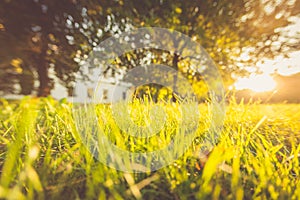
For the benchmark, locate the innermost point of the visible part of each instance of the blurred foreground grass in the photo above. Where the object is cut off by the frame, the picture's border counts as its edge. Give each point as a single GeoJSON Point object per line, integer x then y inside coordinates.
{"type": "Point", "coordinates": [42, 157]}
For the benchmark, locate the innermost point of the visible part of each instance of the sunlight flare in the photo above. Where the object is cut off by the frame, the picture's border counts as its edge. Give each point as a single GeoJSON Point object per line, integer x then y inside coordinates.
{"type": "Point", "coordinates": [256, 83]}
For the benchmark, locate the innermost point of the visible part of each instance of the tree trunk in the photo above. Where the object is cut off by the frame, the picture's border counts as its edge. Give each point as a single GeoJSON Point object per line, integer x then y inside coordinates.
{"type": "Point", "coordinates": [44, 87]}
{"type": "Point", "coordinates": [175, 77]}
{"type": "Point", "coordinates": [26, 82]}
{"type": "Point", "coordinates": [42, 70]}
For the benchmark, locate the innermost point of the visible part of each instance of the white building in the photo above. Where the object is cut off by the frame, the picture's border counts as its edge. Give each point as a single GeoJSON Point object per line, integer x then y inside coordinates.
{"type": "Point", "coordinates": [105, 88]}
{"type": "Point", "coordinates": [100, 88]}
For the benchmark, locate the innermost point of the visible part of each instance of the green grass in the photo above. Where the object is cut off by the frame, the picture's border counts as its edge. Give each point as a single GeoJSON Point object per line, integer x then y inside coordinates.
{"type": "Point", "coordinates": [42, 155]}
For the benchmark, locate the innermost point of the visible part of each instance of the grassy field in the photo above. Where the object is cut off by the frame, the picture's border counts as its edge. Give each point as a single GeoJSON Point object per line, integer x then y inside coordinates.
{"type": "Point", "coordinates": [42, 155]}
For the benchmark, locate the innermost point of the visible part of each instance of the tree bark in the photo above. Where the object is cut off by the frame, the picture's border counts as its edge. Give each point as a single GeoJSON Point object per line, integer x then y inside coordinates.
{"type": "Point", "coordinates": [42, 70]}
{"type": "Point", "coordinates": [175, 77]}
{"type": "Point", "coordinates": [26, 82]}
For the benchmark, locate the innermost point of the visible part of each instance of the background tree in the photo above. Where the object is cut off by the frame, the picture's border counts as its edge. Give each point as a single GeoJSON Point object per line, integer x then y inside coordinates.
{"type": "Point", "coordinates": [59, 35]}
{"type": "Point", "coordinates": [35, 32]}
{"type": "Point", "coordinates": [225, 29]}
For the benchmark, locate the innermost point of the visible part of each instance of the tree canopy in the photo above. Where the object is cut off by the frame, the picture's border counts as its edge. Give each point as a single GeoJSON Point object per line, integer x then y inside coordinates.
{"type": "Point", "coordinates": [51, 35]}
{"type": "Point", "coordinates": [35, 34]}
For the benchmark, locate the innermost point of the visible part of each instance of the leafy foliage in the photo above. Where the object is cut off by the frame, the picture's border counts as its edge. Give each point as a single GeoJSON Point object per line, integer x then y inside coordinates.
{"type": "Point", "coordinates": [58, 36]}
{"type": "Point", "coordinates": [36, 34]}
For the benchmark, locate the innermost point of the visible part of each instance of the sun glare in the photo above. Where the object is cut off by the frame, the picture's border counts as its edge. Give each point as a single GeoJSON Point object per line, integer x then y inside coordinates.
{"type": "Point", "coordinates": [256, 83]}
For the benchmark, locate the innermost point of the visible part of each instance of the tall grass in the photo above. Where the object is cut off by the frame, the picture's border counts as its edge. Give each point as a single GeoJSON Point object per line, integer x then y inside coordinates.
{"type": "Point", "coordinates": [42, 155]}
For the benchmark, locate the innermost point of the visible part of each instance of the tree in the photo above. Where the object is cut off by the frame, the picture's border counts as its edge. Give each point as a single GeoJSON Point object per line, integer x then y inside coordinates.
{"type": "Point", "coordinates": [36, 32]}
{"type": "Point", "coordinates": [61, 34]}
{"type": "Point", "coordinates": [225, 29]}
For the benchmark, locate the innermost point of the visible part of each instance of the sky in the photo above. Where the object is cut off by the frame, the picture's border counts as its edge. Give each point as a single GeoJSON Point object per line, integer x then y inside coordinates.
{"type": "Point", "coordinates": [284, 66]}
{"type": "Point", "coordinates": [265, 82]}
